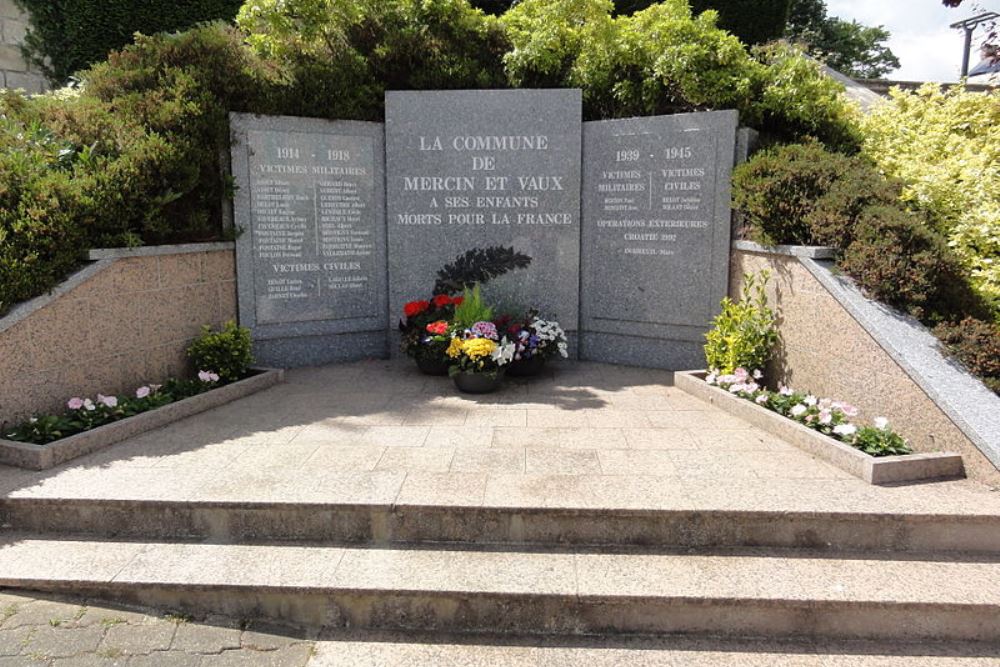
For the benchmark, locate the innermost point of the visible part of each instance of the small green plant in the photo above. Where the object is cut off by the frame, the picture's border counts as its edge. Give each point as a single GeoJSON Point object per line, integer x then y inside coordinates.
{"type": "Point", "coordinates": [880, 441]}
{"type": "Point", "coordinates": [743, 335]}
{"type": "Point", "coordinates": [226, 352]}
{"type": "Point", "coordinates": [472, 309]}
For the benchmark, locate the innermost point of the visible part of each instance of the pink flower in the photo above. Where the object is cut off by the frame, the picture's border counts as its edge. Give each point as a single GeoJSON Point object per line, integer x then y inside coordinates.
{"type": "Point", "coordinates": [74, 403]}
{"type": "Point", "coordinates": [850, 410]}
{"type": "Point", "coordinates": [825, 417]}
{"type": "Point", "coordinates": [208, 376]}
{"type": "Point", "coordinates": [109, 401]}
{"type": "Point", "coordinates": [785, 390]}
{"type": "Point", "coordinates": [761, 399]}
{"type": "Point", "coordinates": [142, 392]}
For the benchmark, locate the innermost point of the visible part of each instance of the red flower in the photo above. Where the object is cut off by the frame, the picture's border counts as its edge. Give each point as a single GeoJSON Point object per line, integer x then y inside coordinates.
{"type": "Point", "coordinates": [458, 300]}
{"type": "Point", "coordinates": [442, 300]}
{"type": "Point", "coordinates": [415, 308]}
{"type": "Point", "coordinates": [438, 328]}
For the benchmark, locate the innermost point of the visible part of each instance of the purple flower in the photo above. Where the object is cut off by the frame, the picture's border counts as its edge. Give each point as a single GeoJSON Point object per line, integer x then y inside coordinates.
{"type": "Point", "coordinates": [74, 403]}
{"type": "Point", "coordinates": [485, 330]}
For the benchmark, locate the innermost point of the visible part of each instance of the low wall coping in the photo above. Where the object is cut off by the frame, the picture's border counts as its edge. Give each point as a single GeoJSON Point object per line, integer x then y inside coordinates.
{"type": "Point", "coordinates": [812, 252]}
{"type": "Point", "coordinates": [154, 250]}
{"type": "Point", "coordinates": [970, 405]}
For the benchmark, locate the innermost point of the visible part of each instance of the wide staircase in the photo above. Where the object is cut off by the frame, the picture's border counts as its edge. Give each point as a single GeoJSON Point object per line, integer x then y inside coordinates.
{"type": "Point", "coordinates": [516, 567]}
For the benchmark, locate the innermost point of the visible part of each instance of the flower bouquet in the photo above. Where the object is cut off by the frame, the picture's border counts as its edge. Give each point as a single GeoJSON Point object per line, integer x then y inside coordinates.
{"type": "Point", "coordinates": [425, 332]}
{"type": "Point", "coordinates": [478, 354]}
{"type": "Point", "coordinates": [535, 341]}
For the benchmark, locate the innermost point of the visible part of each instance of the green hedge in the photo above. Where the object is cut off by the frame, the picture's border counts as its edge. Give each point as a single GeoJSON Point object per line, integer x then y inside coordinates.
{"type": "Point", "coordinates": [753, 21]}
{"type": "Point", "coordinates": [74, 34]}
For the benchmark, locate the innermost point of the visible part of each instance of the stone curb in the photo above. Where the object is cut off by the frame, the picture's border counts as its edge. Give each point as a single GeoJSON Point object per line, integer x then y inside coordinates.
{"type": "Point", "coordinates": [43, 457]}
{"type": "Point", "coordinates": [807, 251]}
{"type": "Point", "coordinates": [155, 250]}
{"type": "Point", "coordinates": [874, 470]}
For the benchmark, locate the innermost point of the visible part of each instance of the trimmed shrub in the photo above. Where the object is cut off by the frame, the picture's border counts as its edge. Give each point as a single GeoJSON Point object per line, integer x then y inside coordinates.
{"type": "Point", "coordinates": [743, 335]}
{"type": "Point", "coordinates": [69, 35]}
{"type": "Point", "coordinates": [803, 194]}
{"type": "Point", "coordinates": [226, 352]}
{"type": "Point", "coordinates": [977, 345]}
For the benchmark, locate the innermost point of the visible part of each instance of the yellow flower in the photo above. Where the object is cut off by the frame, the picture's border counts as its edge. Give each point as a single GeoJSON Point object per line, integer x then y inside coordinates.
{"type": "Point", "coordinates": [475, 348]}
{"type": "Point", "coordinates": [455, 348]}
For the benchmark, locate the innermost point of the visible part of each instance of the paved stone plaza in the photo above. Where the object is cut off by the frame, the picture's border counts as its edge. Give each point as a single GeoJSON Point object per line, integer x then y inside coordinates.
{"type": "Point", "coordinates": [616, 450]}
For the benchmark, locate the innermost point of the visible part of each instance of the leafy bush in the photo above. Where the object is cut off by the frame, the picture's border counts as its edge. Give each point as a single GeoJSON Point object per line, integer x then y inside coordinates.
{"type": "Point", "coordinates": [663, 59]}
{"type": "Point", "coordinates": [977, 345]}
{"type": "Point", "coordinates": [340, 57]}
{"type": "Point", "coordinates": [804, 194]}
{"type": "Point", "coordinates": [743, 334]}
{"type": "Point", "coordinates": [70, 35]}
{"type": "Point", "coordinates": [945, 147]}
{"type": "Point", "coordinates": [880, 442]}
{"type": "Point", "coordinates": [226, 352]}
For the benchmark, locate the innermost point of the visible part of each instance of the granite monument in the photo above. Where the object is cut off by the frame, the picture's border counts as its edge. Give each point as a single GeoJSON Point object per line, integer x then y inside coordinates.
{"type": "Point", "coordinates": [655, 236]}
{"type": "Point", "coordinates": [476, 168]}
{"type": "Point", "coordinates": [310, 219]}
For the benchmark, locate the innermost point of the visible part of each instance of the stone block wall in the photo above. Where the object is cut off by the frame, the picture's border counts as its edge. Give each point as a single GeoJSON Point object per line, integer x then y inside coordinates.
{"type": "Point", "coordinates": [116, 325]}
{"type": "Point", "coordinates": [825, 351]}
{"type": "Point", "coordinates": [14, 71]}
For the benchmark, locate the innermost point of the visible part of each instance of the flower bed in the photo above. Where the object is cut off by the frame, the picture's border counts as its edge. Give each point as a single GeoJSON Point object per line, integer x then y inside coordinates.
{"type": "Point", "coordinates": [824, 428]}
{"type": "Point", "coordinates": [92, 424]}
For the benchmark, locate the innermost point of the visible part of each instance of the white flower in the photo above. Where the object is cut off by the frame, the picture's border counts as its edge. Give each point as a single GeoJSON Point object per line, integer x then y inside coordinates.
{"type": "Point", "coordinates": [845, 429]}
{"type": "Point", "coordinates": [711, 378]}
{"type": "Point", "coordinates": [811, 400]}
{"type": "Point", "coordinates": [736, 388]}
{"type": "Point", "coordinates": [503, 353]}
{"type": "Point", "coordinates": [785, 390]}
{"type": "Point", "coordinates": [88, 405]}
{"type": "Point", "coordinates": [761, 399]}
{"type": "Point", "coordinates": [798, 410]}
{"type": "Point", "coordinates": [881, 423]}
{"type": "Point", "coordinates": [757, 374]}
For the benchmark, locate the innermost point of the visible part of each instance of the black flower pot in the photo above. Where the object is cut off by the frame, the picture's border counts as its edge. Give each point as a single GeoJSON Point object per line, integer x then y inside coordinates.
{"type": "Point", "coordinates": [523, 368]}
{"type": "Point", "coordinates": [432, 366]}
{"type": "Point", "coordinates": [477, 383]}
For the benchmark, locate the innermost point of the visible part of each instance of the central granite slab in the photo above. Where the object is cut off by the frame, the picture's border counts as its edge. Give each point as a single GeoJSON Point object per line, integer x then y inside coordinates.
{"type": "Point", "coordinates": [470, 169]}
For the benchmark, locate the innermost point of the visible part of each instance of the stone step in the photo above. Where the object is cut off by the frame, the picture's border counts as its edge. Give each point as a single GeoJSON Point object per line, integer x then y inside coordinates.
{"type": "Point", "coordinates": [395, 650]}
{"type": "Point", "coordinates": [765, 593]}
{"type": "Point", "coordinates": [681, 526]}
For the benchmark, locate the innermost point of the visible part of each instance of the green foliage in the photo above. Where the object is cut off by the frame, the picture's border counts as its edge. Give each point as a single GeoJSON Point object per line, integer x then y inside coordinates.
{"type": "Point", "coordinates": [665, 60]}
{"type": "Point", "coordinates": [340, 56]}
{"type": "Point", "coordinates": [847, 46]}
{"type": "Point", "coordinates": [472, 309]}
{"type": "Point", "coordinates": [226, 352]}
{"type": "Point", "coordinates": [478, 266]}
{"type": "Point", "coordinates": [69, 35]}
{"type": "Point", "coordinates": [880, 442]}
{"type": "Point", "coordinates": [43, 429]}
{"type": "Point", "coordinates": [743, 334]}
{"type": "Point", "coordinates": [945, 148]}
{"type": "Point", "coordinates": [753, 21]}
{"type": "Point", "coordinates": [803, 194]}
{"type": "Point", "coordinates": [977, 345]}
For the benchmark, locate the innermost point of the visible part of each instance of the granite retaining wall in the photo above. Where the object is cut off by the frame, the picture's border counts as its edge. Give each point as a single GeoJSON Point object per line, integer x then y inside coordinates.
{"type": "Point", "coordinates": [122, 321]}
{"type": "Point", "coordinates": [836, 343]}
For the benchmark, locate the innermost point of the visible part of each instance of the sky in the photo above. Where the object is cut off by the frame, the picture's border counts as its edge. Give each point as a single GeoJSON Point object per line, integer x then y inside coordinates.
{"type": "Point", "coordinates": [928, 50]}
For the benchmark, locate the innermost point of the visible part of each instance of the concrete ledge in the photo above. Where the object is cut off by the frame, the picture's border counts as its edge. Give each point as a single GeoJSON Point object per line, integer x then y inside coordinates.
{"type": "Point", "coordinates": [43, 457]}
{"type": "Point", "coordinates": [154, 250]}
{"type": "Point", "coordinates": [810, 252]}
{"type": "Point", "coordinates": [872, 469]}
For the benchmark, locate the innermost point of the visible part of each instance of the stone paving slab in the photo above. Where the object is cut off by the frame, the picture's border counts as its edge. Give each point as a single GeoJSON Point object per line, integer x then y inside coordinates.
{"type": "Point", "coordinates": [63, 630]}
{"type": "Point", "coordinates": [585, 435]}
{"type": "Point", "coordinates": [396, 651]}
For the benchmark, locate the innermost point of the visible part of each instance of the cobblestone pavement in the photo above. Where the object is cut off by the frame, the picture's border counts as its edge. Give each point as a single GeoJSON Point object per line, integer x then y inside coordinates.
{"type": "Point", "coordinates": [37, 630]}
